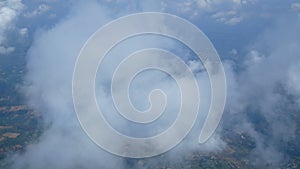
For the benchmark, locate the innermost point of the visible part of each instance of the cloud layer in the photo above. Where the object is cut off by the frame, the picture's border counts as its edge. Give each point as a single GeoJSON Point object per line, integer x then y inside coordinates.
{"type": "Point", "coordinates": [259, 81]}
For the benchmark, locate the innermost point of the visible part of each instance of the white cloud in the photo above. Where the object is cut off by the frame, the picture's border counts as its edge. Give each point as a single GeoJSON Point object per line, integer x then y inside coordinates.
{"type": "Point", "coordinates": [254, 58]}
{"type": "Point", "coordinates": [234, 20]}
{"type": "Point", "coordinates": [52, 94]}
{"type": "Point", "coordinates": [216, 4]}
{"type": "Point", "coordinates": [53, 55]}
{"type": "Point", "coordinates": [220, 10]}
{"type": "Point", "coordinates": [6, 50]}
{"type": "Point", "coordinates": [63, 144]}
{"type": "Point", "coordinates": [9, 10]}
{"type": "Point", "coordinates": [294, 77]}
{"type": "Point", "coordinates": [295, 6]}
{"type": "Point", "coordinates": [293, 81]}
{"type": "Point", "coordinates": [233, 52]}
{"type": "Point", "coordinates": [227, 12]}
{"type": "Point", "coordinates": [271, 68]}
{"type": "Point", "coordinates": [38, 11]}
{"type": "Point", "coordinates": [204, 4]}
{"type": "Point", "coordinates": [237, 1]}
{"type": "Point", "coordinates": [229, 17]}
{"type": "Point", "coordinates": [23, 31]}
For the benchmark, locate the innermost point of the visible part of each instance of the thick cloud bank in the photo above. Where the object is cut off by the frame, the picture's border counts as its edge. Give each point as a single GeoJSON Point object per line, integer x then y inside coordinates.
{"type": "Point", "coordinates": [50, 65]}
